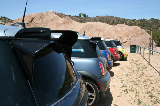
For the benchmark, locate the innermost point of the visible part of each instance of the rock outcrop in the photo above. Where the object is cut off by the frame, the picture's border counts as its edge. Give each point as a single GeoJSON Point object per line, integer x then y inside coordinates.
{"type": "Point", "coordinates": [128, 35]}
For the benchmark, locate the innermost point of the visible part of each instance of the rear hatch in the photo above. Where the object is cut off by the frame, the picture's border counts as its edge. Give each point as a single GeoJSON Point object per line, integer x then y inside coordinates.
{"type": "Point", "coordinates": [41, 63]}
{"type": "Point", "coordinates": [86, 56]}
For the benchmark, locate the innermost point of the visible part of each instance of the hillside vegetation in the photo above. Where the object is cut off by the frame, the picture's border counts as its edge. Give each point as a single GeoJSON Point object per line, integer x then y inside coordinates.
{"type": "Point", "coordinates": [4, 20]}
{"type": "Point", "coordinates": [148, 25]}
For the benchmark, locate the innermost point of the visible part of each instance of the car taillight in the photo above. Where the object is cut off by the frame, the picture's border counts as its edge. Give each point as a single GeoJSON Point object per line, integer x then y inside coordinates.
{"type": "Point", "coordinates": [101, 67]}
{"type": "Point", "coordinates": [107, 55]}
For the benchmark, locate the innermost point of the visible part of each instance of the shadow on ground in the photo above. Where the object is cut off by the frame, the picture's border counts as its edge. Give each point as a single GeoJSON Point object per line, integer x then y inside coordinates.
{"type": "Point", "coordinates": [116, 64]}
{"type": "Point", "coordinates": [124, 59]}
{"type": "Point", "coordinates": [105, 101]}
{"type": "Point", "coordinates": [111, 73]}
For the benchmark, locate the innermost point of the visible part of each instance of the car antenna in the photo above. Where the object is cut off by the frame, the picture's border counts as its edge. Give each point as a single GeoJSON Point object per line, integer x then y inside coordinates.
{"type": "Point", "coordinates": [24, 12]}
{"type": "Point", "coordinates": [21, 24]}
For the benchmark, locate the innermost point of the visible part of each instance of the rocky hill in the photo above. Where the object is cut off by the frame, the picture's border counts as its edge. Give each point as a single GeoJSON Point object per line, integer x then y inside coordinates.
{"type": "Point", "coordinates": [4, 20]}
{"type": "Point", "coordinates": [148, 25]}
{"type": "Point", "coordinates": [128, 35]}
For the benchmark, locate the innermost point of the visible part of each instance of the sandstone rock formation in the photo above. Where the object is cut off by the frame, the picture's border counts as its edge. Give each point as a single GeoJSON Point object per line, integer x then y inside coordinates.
{"type": "Point", "coordinates": [128, 35]}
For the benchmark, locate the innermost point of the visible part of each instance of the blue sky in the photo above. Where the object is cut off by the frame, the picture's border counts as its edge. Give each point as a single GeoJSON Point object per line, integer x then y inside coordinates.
{"type": "Point", "coordinates": [129, 9]}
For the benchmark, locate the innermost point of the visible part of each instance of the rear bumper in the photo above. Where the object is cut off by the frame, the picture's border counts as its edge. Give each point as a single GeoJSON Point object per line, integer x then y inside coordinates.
{"type": "Point", "coordinates": [77, 97]}
{"type": "Point", "coordinates": [125, 55]}
{"type": "Point", "coordinates": [116, 57]}
{"type": "Point", "coordinates": [105, 84]}
{"type": "Point", "coordinates": [110, 64]}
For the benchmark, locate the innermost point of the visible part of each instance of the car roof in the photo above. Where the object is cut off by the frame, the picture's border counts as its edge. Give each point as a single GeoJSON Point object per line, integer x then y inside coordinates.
{"type": "Point", "coordinates": [10, 31]}
{"type": "Point", "coordinates": [107, 40]}
{"type": "Point", "coordinates": [83, 37]}
{"type": "Point", "coordinates": [56, 35]}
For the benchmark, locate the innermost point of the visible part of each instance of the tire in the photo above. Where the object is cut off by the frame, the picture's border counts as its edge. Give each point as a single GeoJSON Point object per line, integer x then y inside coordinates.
{"type": "Point", "coordinates": [93, 92]}
{"type": "Point", "coordinates": [125, 59]}
{"type": "Point", "coordinates": [121, 56]}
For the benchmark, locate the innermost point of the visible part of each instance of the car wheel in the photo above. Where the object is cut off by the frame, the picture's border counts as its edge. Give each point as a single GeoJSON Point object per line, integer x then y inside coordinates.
{"type": "Point", "coordinates": [93, 92]}
{"type": "Point", "coordinates": [121, 56]}
{"type": "Point", "coordinates": [125, 59]}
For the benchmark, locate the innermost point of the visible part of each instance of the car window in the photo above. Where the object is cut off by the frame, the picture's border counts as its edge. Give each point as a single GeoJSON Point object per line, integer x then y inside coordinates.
{"type": "Point", "coordinates": [102, 45]}
{"type": "Point", "coordinates": [108, 43]}
{"type": "Point", "coordinates": [83, 48]}
{"type": "Point", "coordinates": [52, 75]}
{"type": "Point", "coordinates": [13, 85]}
{"type": "Point", "coordinates": [117, 43]}
{"type": "Point", "coordinates": [113, 44]}
{"type": "Point", "coordinates": [98, 52]}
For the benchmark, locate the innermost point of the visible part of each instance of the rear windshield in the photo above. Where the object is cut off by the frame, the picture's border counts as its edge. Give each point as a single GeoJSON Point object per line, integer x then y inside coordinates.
{"type": "Point", "coordinates": [102, 45]}
{"type": "Point", "coordinates": [117, 43]}
{"type": "Point", "coordinates": [13, 86]}
{"type": "Point", "coordinates": [113, 44]}
{"type": "Point", "coordinates": [84, 49]}
{"type": "Point", "coordinates": [52, 74]}
{"type": "Point", "coordinates": [98, 52]}
{"type": "Point", "coordinates": [110, 43]}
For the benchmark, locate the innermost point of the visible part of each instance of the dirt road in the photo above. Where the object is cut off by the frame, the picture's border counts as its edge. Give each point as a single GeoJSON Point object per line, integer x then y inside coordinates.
{"type": "Point", "coordinates": [133, 83]}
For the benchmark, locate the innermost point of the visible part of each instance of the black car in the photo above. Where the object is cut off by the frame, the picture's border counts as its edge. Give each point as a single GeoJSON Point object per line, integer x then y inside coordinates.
{"type": "Point", "coordinates": [35, 69]}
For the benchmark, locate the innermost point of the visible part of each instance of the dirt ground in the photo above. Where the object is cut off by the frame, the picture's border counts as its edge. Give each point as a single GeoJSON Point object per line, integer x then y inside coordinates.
{"type": "Point", "coordinates": [134, 82]}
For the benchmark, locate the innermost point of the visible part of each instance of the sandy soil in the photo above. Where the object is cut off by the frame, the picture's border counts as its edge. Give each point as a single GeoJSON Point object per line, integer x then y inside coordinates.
{"type": "Point", "coordinates": [134, 82]}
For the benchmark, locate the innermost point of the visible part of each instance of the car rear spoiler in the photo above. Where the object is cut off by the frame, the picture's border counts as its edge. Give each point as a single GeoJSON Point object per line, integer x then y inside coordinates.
{"type": "Point", "coordinates": [66, 40]}
{"type": "Point", "coordinates": [95, 40]}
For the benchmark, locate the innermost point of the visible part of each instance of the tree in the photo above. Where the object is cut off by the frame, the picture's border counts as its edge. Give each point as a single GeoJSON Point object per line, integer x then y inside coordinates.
{"type": "Point", "coordinates": [80, 14]}
{"type": "Point", "coordinates": [84, 15]}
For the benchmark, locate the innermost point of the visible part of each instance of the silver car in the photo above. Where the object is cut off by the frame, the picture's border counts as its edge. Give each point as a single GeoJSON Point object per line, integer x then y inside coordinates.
{"type": "Point", "coordinates": [91, 65]}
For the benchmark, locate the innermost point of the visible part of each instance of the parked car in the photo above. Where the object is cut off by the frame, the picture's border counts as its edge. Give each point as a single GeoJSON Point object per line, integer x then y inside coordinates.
{"type": "Point", "coordinates": [91, 64]}
{"type": "Point", "coordinates": [104, 50]}
{"type": "Point", "coordinates": [36, 69]}
{"type": "Point", "coordinates": [113, 49]}
{"type": "Point", "coordinates": [121, 50]}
